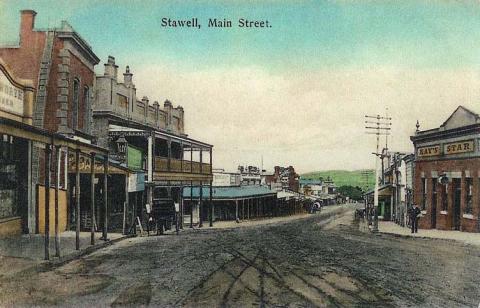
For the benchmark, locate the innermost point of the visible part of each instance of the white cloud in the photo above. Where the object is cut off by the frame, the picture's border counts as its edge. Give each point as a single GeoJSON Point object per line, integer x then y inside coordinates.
{"type": "Point", "coordinates": [311, 120]}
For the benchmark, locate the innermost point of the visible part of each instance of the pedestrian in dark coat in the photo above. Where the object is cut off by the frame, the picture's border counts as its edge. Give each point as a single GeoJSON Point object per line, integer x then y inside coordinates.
{"type": "Point", "coordinates": [414, 213]}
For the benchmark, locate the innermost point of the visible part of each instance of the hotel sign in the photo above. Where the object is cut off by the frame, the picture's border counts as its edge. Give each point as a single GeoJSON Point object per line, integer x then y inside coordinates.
{"type": "Point", "coordinates": [433, 150]}
{"type": "Point", "coordinates": [85, 163]}
{"type": "Point", "coordinates": [11, 96]}
{"type": "Point", "coordinates": [459, 147]}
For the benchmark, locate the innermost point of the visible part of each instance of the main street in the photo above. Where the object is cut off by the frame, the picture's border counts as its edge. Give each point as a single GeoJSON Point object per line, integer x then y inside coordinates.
{"type": "Point", "coordinates": [322, 260]}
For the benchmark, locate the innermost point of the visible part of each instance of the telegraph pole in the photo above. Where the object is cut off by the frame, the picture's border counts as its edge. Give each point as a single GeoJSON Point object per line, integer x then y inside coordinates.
{"type": "Point", "coordinates": [366, 174]}
{"type": "Point", "coordinates": [381, 126]}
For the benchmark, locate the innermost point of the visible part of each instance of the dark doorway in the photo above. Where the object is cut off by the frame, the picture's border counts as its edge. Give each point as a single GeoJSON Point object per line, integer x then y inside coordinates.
{"type": "Point", "coordinates": [457, 191]}
{"type": "Point", "coordinates": [434, 203]}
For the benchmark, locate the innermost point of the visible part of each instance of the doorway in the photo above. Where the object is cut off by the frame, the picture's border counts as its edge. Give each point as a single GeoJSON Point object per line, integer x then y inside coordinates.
{"type": "Point", "coordinates": [434, 203]}
{"type": "Point", "coordinates": [457, 191]}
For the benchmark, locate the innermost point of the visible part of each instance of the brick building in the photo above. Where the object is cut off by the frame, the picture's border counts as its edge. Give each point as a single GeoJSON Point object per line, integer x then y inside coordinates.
{"type": "Point", "coordinates": [60, 65]}
{"type": "Point", "coordinates": [284, 177]}
{"type": "Point", "coordinates": [447, 173]}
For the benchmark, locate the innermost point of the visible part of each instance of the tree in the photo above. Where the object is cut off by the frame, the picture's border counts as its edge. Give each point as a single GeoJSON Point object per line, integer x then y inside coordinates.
{"type": "Point", "coordinates": [353, 192]}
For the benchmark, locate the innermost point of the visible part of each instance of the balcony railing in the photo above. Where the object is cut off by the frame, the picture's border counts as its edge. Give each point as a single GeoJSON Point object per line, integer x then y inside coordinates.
{"type": "Point", "coordinates": [181, 166]}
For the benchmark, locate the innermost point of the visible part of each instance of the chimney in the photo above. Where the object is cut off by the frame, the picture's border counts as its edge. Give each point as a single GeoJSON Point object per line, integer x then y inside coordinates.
{"type": "Point", "coordinates": [27, 22]}
{"type": "Point", "coordinates": [167, 106]}
{"type": "Point", "coordinates": [145, 103]}
{"type": "Point", "coordinates": [181, 114]}
{"type": "Point", "coordinates": [127, 77]}
{"type": "Point", "coordinates": [111, 68]}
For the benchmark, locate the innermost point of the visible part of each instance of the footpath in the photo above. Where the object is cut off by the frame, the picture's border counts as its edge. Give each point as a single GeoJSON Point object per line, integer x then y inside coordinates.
{"type": "Point", "coordinates": [389, 227]}
{"type": "Point", "coordinates": [27, 252]}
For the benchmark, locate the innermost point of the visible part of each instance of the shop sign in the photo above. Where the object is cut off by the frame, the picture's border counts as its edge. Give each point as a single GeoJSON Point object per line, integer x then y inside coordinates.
{"type": "Point", "coordinates": [84, 165]}
{"type": "Point", "coordinates": [429, 151]}
{"type": "Point", "coordinates": [136, 182]}
{"type": "Point", "coordinates": [11, 96]}
{"type": "Point", "coordinates": [134, 158]}
{"type": "Point", "coordinates": [459, 147]}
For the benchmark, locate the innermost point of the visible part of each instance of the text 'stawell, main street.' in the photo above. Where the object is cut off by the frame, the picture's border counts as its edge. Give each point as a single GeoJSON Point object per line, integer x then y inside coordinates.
{"type": "Point", "coordinates": [194, 23]}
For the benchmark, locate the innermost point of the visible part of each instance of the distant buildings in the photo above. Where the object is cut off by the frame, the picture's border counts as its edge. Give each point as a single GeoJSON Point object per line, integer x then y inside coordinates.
{"type": "Point", "coordinates": [250, 175]}
{"type": "Point", "coordinates": [283, 178]}
{"type": "Point", "coordinates": [324, 190]}
{"type": "Point", "coordinates": [223, 178]}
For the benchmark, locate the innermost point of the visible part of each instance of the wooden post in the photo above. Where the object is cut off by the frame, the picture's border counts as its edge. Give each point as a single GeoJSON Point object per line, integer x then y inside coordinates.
{"type": "Point", "coordinates": [77, 199]}
{"type": "Point", "coordinates": [191, 158]}
{"type": "Point", "coordinates": [105, 197]}
{"type": "Point", "coordinates": [236, 211]}
{"type": "Point", "coordinates": [169, 158]}
{"type": "Point", "coordinates": [57, 186]}
{"type": "Point", "coordinates": [191, 204]}
{"type": "Point", "coordinates": [92, 198]}
{"type": "Point", "coordinates": [181, 208]}
{"type": "Point", "coordinates": [48, 152]}
{"type": "Point", "coordinates": [243, 209]}
{"type": "Point", "coordinates": [210, 206]}
{"type": "Point", "coordinates": [125, 207]}
{"type": "Point", "coordinates": [201, 160]}
{"type": "Point", "coordinates": [200, 207]}
{"type": "Point", "coordinates": [211, 161]}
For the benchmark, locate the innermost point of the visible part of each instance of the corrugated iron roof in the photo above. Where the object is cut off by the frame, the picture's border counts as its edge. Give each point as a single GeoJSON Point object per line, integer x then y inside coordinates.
{"type": "Point", "coordinates": [230, 192]}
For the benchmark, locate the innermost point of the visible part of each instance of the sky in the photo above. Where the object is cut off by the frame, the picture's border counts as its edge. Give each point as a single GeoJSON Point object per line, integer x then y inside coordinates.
{"type": "Point", "coordinates": [296, 93]}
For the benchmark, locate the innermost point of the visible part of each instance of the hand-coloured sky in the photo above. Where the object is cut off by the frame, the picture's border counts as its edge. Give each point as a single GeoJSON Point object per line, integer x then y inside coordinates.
{"type": "Point", "coordinates": [295, 93]}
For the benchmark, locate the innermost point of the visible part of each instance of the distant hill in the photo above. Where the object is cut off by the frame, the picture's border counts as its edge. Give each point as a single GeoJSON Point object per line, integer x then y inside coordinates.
{"type": "Point", "coordinates": [344, 177]}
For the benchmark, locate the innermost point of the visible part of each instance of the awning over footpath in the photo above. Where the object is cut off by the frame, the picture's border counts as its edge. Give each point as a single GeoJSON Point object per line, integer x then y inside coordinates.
{"type": "Point", "coordinates": [29, 132]}
{"type": "Point", "coordinates": [229, 193]}
{"type": "Point", "coordinates": [383, 191]}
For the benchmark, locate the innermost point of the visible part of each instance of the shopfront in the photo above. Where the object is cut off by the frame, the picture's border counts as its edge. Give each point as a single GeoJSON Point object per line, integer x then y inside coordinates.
{"type": "Point", "coordinates": [447, 173]}
{"type": "Point", "coordinates": [16, 103]}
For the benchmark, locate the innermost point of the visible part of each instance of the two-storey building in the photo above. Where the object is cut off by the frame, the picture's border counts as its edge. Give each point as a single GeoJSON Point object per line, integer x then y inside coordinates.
{"type": "Point", "coordinates": [60, 66]}
{"type": "Point", "coordinates": [447, 173]}
{"type": "Point", "coordinates": [150, 139]}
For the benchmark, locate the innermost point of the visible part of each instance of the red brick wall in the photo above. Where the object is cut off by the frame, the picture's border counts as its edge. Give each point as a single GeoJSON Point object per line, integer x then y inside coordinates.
{"type": "Point", "coordinates": [86, 76]}
{"type": "Point", "coordinates": [24, 61]}
{"type": "Point", "coordinates": [446, 222]}
{"type": "Point", "coordinates": [79, 71]}
{"type": "Point", "coordinates": [51, 107]}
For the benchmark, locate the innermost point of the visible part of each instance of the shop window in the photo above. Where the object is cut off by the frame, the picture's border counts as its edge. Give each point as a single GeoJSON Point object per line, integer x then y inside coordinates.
{"type": "Point", "coordinates": [87, 107]}
{"type": "Point", "coordinates": [468, 195]}
{"type": "Point", "coordinates": [8, 177]}
{"type": "Point", "coordinates": [444, 197]}
{"type": "Point", "coordinates": [424, 194]}
{"type": "Point", "coordinates": [75, 107]}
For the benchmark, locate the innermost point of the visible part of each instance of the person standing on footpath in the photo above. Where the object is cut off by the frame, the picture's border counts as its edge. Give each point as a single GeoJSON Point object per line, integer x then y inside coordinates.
{"type": "Point", "coordinates": [414, 212]}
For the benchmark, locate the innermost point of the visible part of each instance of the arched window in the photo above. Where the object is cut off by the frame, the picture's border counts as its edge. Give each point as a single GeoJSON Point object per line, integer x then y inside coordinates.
{"type": "Point", "coordinates": [87, 108]}
{"type": "Point", "coordinates": [75, 107]}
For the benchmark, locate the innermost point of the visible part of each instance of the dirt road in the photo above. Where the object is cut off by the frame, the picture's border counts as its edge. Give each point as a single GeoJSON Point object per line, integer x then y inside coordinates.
{"type": "Point", "coordinates": [320, 260]}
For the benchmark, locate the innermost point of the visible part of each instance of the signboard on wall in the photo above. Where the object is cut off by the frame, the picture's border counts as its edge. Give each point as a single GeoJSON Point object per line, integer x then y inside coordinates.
{"type": "Point", "coordinates": [136, 182]}
{"type": "Point", "coordinates": [433, 150]}
{"type": "Point", "coordinates": [134, 158]}
{"type": "Point", "coordinates": [459, 147]}
{"type": "Point", "coordinates": [11, 96]}
{"type": "Point", "coordinates": [85, 163]}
